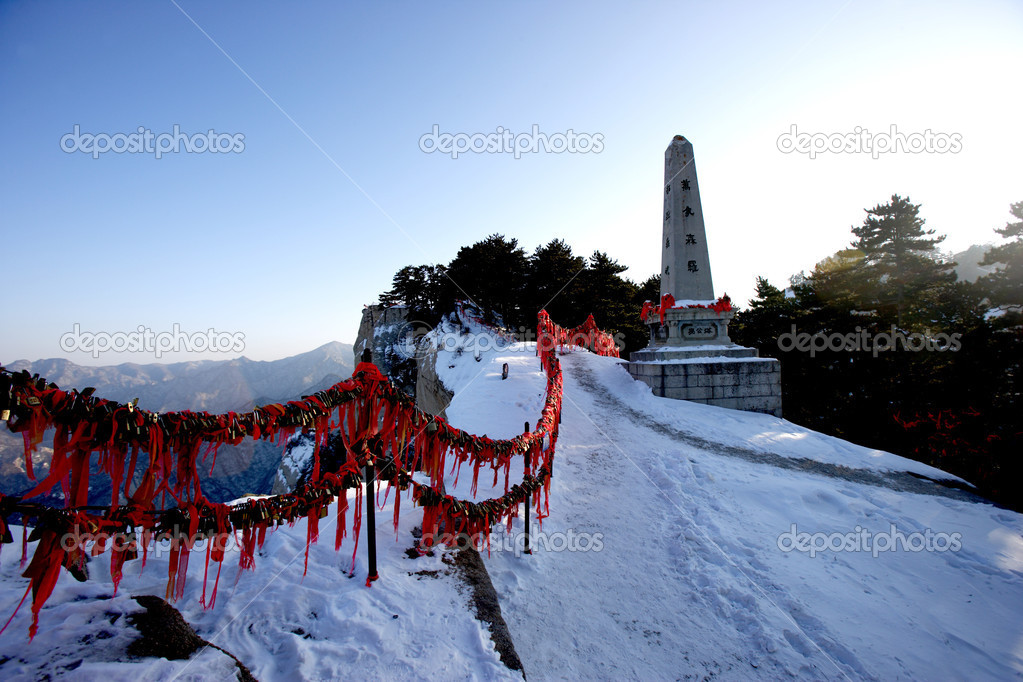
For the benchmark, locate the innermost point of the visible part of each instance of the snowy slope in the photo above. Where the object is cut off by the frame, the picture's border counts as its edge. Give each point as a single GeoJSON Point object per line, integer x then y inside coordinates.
{"type": "Point", "coordinates": [661, 557]}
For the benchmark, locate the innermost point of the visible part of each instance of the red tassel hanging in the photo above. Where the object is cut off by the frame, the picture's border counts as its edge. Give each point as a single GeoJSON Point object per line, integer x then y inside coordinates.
{"type": "Point", "coordinates": [60, 464]}
{"type": "Point", "coordinates": [431, 524]}
{"type": "Point", "coordinates": [179, 587]}
{"type": "Point", "coordinates": [193, 525]}
{"type": "Point", "coordinates": [475, 477]}
{"type": "Point", "coordinates": [205, 573]}
{"type": "Point", "coordinates": [312, 533]}
{"type": "Point", "coordinates": [397, 510]}
{"type": "Point", "coordinates": [123, 549]}
{"type": "Point", "coordinates": [357, 523]}
{"type": "Point", "coordinates": [248, 549]}
{"type": "Point", "coordinates": [215, 549]}
{"type": "Point", "coordinates": [172, 568]}
{"type": "Point", "coordinates": [321, 440]}
{"type": "Point", "coordinates": [43, 572]}
{"type": "Point", "coordinates": [221, 516]}
{"type": "Point", "coordinates": [216, 583]}
{"type": "Point", "coordinates": [547, 497]}
{"type": "Point", "coordinates": [214, 448]}
{"type": "Point", "coordinates": [33, 436]}
{"type": "Point", "coordinates": [342, 509]}
{"type": "Point", "coordinates": [177, 570]}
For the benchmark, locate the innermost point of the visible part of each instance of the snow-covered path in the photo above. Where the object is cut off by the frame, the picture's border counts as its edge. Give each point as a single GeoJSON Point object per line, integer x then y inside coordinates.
{"type": "Point", "coordinates": [677, 572]}
{"type": "Point", "coordinates": [894, 479]}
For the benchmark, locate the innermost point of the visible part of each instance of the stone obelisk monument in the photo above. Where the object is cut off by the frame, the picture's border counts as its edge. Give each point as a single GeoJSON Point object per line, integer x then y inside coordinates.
{"type": "Point", "coordinates": [687, 288]}
{"type": "Point", "coordinates": [690, 356]}
{"type": "Point", "coordinates": [685, 262]}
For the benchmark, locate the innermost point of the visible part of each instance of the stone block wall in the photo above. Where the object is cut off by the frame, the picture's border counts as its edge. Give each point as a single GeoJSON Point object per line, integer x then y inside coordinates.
{"type": "Point", "coordinates": [750, 384]}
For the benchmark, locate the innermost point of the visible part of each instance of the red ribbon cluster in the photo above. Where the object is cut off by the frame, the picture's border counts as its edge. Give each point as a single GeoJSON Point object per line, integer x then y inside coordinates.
{"type": "Point", "coordinates": [378, 424]}
{"type": "Point", "coordinates": [722, 305]}
{"type": "Point", "coordinates": [586, 335]}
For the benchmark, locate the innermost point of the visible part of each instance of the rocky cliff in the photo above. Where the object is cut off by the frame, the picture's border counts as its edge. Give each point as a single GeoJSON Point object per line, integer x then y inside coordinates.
{"type": "Point", "coordinates": [432, 395]}
{"type": "Point", "coordinates": [384, 331]}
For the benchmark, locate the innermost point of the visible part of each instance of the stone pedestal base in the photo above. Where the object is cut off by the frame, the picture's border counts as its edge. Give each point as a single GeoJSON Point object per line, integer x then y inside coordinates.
{"type": "Point", "coordinates": [725, 375]}
{"type": "Point", "coordinates": [687, 327]}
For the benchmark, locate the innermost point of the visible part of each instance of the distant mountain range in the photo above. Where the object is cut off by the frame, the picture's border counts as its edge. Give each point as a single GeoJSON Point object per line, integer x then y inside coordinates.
{"type": "Point", "coordinates": [968, 267]}
{"type": "Point", "coordinates": [209, 385]}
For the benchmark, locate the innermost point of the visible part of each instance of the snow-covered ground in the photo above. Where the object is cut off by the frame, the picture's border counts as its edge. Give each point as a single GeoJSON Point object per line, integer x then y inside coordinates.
{"type": "Point", "coordinates": [413, 624]}
{"type": "Point", "coordinates": [665, 553]}
{"type": "Point", "coordinates": [672, 552]}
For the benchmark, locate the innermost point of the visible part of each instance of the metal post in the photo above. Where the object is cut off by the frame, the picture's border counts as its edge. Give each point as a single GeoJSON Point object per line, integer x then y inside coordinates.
{"type": "Point", "coordinates": [526, 549]}
{"type": "Point", "coordinates": [371, 527]}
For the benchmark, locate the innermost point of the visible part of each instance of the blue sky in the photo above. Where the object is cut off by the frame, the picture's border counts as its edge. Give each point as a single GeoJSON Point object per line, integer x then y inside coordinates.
{"type": "Point", "coordinates": [285, 241]}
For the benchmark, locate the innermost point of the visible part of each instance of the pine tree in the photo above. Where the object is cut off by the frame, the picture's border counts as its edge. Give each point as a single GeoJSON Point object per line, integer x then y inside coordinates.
{"type": "Point", "coordinates": [554, 281]}
{"type": "Point", "coordinates": [901, 255]}
{"type": "Point", "coordinates": [844, 283]}
{"type": "Point", "coordinates": [649, 290]}
{"type": "Point", "coordinates": [1005, 285]}
{"type": "Point", "coordinates": [421, 288]}
{"type": "Point", "coordinates": [769, 315]}
{"type": "Point", "coordinates": [492, 274]}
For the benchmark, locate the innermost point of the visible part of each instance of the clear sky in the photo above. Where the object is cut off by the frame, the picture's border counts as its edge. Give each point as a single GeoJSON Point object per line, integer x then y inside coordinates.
{"type": "Point", "coordinates": [285, 239]}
